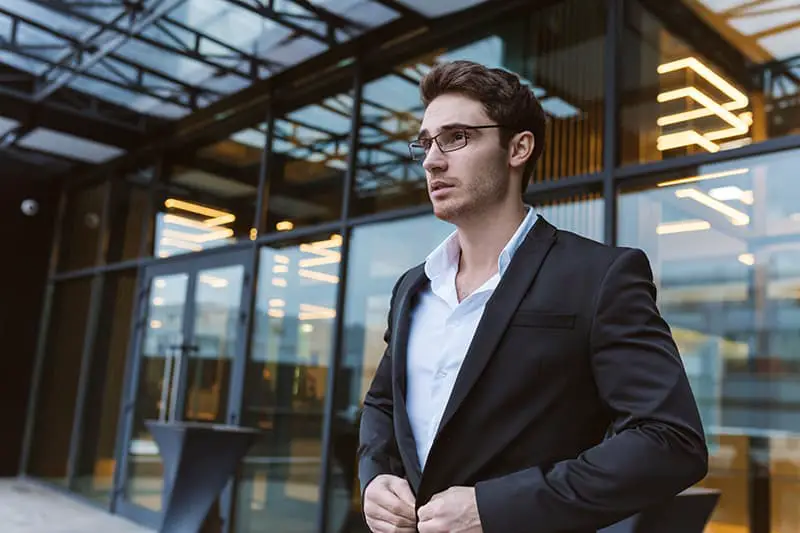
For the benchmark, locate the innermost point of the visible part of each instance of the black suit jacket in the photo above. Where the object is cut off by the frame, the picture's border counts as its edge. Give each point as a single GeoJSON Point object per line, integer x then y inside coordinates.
{"type": "Point", "coordinates": [572, 409]}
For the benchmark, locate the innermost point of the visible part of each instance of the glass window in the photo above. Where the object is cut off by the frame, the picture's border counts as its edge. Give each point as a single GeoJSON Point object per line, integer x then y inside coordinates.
{"type": "Point", "coordinates": [96, 459]}
{"type": "Point", "coordinates": [308, 164]}
{"type": "Point", "coordinates": [286, 384]}
{"type": "Point", "coordinates": [58, 384]}
{"type": "Point", "coordinates": [537, 46]}
{"type": "Point", "coordinates": [704, 76]}
{"type": "Point", "coordinates": [130, 201]}
{"type": "Point", "coordinates": [724, 243]}
{"type": "Point", "coordinates": [584, 214]}
{"type": "Point", "coordinates": [379, 254]}
{"type": "Point", "coordinates": [208, 198]}
{"type": "Point", "coordinates": [80, 228]}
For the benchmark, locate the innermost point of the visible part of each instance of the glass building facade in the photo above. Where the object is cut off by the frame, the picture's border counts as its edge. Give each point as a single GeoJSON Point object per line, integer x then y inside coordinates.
{"type": "Point", "coordinates": [241, 272]}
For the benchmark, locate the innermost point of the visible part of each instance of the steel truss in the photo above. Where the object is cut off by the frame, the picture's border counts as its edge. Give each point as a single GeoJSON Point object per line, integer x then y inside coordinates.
{"type": "Point", "coordinates": [59, 58]}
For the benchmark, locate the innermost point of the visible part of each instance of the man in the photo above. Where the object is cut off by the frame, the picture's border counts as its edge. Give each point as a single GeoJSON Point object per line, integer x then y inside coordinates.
{"type": "Point", "coordinates": [529, 382]}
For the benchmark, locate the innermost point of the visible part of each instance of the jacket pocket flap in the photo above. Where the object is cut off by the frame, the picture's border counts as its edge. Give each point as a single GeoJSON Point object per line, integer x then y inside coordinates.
{"type": "Point", "coordinates": [537, 319]}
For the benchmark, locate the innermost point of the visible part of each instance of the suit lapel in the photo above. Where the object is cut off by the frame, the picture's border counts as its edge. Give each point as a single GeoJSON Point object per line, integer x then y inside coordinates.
{"type": "Point", "coordinates": [407, 291]}
{"type": "Point", "coordinates": [500, 308]}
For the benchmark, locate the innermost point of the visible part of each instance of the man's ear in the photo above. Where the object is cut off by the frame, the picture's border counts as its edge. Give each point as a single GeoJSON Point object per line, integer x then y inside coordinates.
{"type": "Point", "coordinates": [521, 149]}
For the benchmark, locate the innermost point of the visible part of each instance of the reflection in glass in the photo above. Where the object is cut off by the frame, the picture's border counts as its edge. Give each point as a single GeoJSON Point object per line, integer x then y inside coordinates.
{"type": "Point", "coordinates": [58, 386]}
{"type": "Point", "coordinates": [185, 365]}
{"type": "Point", "coordinates": [724, 243]}
{"type": "Point", "coordinates": [379, 254]}
{"type": "Point", "coordinates": [285, 385]}
{"type": "Point", "coordinates": [583, 215]}
{"type": "Point", "coordinates": [80, 229]}
{"type": "Point", "coordinates": [536, 45]}
{"type": "Point", "coordinates": [210, 196]}
{"type": "Point", "coordinates": [218, 294]}
{"type": "Point", "coordinates": [307, 167]}
{"type": "Point", "coordinates": [96, 459]}
{"type": "Point", "coordinates": [162, 339]}
{"type": "Point", "coordinates": [687, 93]}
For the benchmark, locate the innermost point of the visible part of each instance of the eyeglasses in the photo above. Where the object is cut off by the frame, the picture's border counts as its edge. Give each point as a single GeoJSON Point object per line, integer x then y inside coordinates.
{"type": "Point", "coordinates": [448, 140]}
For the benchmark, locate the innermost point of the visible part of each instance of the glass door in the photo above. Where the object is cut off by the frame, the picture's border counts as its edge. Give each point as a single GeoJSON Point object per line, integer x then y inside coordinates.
{"type": "Point", "coordinates": [190, 336]}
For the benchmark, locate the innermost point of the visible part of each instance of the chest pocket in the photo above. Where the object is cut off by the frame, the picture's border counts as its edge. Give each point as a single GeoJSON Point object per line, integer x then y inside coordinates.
{"type": "Point", "coordinates": [539, 319]}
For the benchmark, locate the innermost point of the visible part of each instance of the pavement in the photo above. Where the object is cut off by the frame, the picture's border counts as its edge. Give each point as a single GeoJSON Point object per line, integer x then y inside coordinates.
{"type": "Point", "coordinates": [29, 507]}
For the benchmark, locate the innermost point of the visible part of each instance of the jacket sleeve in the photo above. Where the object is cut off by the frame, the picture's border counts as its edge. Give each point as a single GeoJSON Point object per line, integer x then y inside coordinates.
{"type": "Point", "coordinates": [657, 448]}
{"type": "Point", "coordinates": [377, 451]}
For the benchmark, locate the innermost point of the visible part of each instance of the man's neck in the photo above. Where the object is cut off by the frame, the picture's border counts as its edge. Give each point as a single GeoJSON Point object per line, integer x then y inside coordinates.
{"type": "Point", "coordinates": [484, 237]}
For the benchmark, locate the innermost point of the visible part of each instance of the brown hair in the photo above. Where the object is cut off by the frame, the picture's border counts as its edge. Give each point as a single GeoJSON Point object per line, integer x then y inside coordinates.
{"type": "Point", "coordinates": [506, 100]}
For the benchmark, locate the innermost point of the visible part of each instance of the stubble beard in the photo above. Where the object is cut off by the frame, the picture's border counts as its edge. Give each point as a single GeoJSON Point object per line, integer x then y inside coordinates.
{"type": "Point", "coordinates": [474, 202]}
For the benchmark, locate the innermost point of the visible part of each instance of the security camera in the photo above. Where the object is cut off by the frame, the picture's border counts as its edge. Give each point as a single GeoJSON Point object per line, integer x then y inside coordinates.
{"type": "Point", "coordinates": [29, 207]}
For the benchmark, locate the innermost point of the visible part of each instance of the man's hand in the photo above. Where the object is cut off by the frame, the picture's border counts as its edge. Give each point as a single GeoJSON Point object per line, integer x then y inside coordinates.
{"type": "Point", "coordinates": [452, 511]}
{"type": "Point", "coordinates": [389, 505]}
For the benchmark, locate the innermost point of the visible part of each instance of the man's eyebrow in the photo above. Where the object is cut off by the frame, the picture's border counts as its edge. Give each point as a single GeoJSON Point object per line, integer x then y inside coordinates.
{"type": "Point", "coordinates": [451, 126]}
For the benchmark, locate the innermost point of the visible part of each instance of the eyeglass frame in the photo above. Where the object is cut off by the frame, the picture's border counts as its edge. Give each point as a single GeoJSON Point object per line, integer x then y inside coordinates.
{"type": "Point", "coordinates": [451, 129]}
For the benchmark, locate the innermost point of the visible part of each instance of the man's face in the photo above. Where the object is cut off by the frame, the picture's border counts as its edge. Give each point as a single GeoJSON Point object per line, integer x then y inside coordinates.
{"type": "Point", "coordinates": [470, 179]}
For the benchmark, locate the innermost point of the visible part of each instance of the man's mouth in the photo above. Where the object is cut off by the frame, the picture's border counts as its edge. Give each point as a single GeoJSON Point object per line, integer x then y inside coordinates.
{"type": "Point", "coordinates": [439, 185]}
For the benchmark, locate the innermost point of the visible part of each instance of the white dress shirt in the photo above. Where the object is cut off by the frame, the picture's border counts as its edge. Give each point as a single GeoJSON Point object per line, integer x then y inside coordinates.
{"type": "Point", "coordinates": [441, 333]}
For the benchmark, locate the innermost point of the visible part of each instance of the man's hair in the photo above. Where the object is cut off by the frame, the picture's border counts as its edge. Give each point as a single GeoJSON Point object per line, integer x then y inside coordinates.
{"type": "Point", "coordinates": [505, 99]}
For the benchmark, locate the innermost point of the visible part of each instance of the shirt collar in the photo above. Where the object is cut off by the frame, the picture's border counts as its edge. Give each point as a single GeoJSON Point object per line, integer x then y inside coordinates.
{"type": "Point", "coordinates": [445, 256]}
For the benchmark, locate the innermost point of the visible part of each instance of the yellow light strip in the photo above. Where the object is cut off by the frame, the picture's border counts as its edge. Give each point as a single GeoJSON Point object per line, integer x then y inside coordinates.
{"type": "Point", "coordinates": [333, 258]}
{"type": "Point", "coordinates": [737, 217]}
{"type": "Point", "coordinates": [317, 276]}
{"type": "Point", "coordinates": [739, 99]}
{"type": "Point", "coordinates": [183, 221]}
{"type": "Point", "coordinates": [740, 124]}
{"type": "Point", "coordinates": [684, 138]}
{"type": "Point", "coordinates": [214, 281]}
{"type": "Point", "coordinates": [220, 220]}
{"type": "Point", "coordinates": [703, 177]}
{"type": "Point", "coordinates": [704, 100]}
{"type": "Point", "coordinates": [173, 203]}
{"type": "Point", "coordinates": [177, 243]}
{"type": "Point", "coordinates": [684, 226]}
{"type": "Point", "coordinates": [315, 308]}
{"type": "Point", "coordinates": [316, 316]}
{"type": "Point", "coordinates": [222, 233]}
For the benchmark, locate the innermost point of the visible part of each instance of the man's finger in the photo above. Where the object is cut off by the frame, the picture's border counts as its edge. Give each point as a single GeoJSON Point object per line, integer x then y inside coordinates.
{"type": "Point", "coordinates": [426, 512]}
{"type": "Point", "coordinates": [377, 525]}
{"type": "Point", "coordinates": [392, 508]}
{"type": "Point", "coordinates": [402, 490]}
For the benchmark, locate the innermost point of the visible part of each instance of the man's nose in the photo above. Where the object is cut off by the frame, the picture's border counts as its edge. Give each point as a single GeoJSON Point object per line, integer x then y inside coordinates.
{"type": "Point", "coordinates": [434, 160]}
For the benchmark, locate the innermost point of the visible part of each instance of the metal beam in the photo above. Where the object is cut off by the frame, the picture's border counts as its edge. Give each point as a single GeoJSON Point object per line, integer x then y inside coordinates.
{"type": "Point", "coordinates": [284, 19]}
{"type": "Point", "coordinates": [136, 27]}
{"type": "Point", "coordinates": [78, 115]}
{"type": "Point", "coordinates": [330, 18]}
{"type": "Point", "coordinates": [403, 9]}
{"type": "Point", "coordinates": [170, 28]}
{"type": "Point", "coordinates": [133, 83]}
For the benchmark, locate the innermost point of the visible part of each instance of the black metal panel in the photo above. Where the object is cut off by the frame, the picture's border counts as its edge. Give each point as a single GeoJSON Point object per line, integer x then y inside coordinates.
{"type": "Point", "coordinates": [341, 293]}
{"type": "Point", "coordinates": [612, 73]}
{"type": "Point", "coordinates": [790, 142]}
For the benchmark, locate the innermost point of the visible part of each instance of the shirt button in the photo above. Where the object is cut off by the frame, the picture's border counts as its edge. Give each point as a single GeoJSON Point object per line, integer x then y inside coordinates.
{"type": "Point", "coordinates": [441, 374]}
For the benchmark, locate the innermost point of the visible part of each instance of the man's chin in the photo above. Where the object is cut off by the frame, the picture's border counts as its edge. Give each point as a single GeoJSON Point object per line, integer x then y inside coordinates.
{"type": "Point", "coordinates": [447, 211]}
